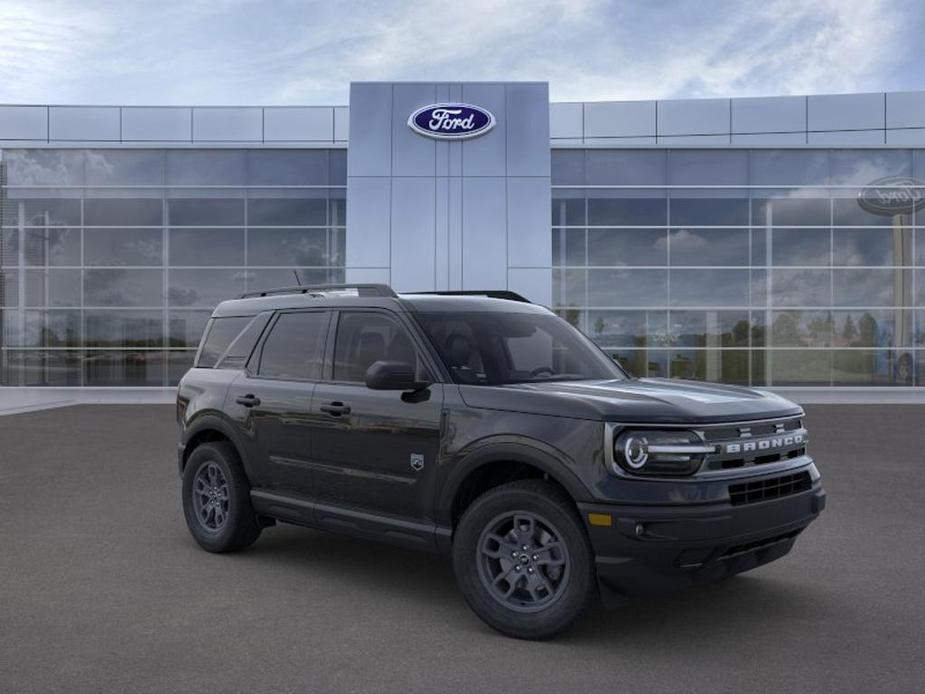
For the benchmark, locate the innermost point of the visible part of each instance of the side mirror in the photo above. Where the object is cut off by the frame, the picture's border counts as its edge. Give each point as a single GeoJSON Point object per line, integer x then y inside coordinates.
{"type": "Point", "coordinates": [393, 375]}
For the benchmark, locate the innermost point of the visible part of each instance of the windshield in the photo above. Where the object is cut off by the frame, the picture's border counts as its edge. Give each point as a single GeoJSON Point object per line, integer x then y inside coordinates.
{"type": "Point", "coordinates": [494, 348]}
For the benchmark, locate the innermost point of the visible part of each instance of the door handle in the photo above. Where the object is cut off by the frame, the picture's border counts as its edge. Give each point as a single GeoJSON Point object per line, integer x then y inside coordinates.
{"type": "Point", "coordinates": [249, 400]}
{"type": "Point", "coordinates": [336, 408]}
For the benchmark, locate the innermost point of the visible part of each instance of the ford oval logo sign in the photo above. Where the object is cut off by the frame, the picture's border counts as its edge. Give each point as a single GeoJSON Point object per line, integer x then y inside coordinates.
{"type": "Point", "coordinates": [451, 121]}
{"type": "Point", "coordinates": [893, 195]}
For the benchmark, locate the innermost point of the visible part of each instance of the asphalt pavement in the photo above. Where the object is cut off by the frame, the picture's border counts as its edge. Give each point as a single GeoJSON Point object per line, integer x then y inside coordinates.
{"type": "Point", "coordinates": [103, 590]}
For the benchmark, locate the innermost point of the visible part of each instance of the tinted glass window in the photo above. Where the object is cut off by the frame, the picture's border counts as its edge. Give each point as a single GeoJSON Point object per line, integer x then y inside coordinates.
{"type": "Point", "coordinates": [294, 347]}
{"type": "Point", "coordinates": [492, 348]}
{"type": "Point", "coordinates": [221, 332]}
{"type": "Point", "coordinates": [365, 338]}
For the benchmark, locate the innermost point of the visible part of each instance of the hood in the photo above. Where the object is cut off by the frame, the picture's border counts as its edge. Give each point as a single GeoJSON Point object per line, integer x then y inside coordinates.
{"type": "Point", "coordinates": [655, 400]}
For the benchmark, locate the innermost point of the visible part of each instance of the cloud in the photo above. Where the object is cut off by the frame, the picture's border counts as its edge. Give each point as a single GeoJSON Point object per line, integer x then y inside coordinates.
{"type": "Point", "coordinates": [303, 52]}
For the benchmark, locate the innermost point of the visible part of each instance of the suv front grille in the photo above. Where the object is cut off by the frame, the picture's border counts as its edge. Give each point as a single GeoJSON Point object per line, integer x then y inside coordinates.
{"type": "Point", "coordinates": [754, 443]}
{"type": "Point", "coordinates": [773, 488]}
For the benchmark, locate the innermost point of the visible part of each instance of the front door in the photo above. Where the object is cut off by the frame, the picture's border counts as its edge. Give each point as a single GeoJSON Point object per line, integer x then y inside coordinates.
{"type": "Point", "coordinates": [375, 451]}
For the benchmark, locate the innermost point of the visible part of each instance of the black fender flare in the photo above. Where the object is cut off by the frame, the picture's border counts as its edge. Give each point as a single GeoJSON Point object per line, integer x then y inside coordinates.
{"type": "Point", "coordinates": [518, 449]}
{"type": "Point", "coordinates": [211, 420]}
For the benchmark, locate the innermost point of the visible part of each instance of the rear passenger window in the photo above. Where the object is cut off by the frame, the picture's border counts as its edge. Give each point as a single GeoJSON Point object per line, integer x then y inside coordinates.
{"type": "Point", "coordinates": [295, 346]}
{"type": "Point", "coordinates": [365, 338]}
{"type": "Point", "coordinates": [219, 334]}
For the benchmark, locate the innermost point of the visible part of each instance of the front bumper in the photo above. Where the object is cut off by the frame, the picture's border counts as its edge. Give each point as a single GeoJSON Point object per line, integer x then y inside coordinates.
{"type": "Point", "coordinates": [651, 549]}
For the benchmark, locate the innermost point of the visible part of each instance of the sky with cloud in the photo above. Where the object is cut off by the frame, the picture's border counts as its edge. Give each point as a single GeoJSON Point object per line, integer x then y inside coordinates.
{"type": "Point", "coordinates": [306, 52]}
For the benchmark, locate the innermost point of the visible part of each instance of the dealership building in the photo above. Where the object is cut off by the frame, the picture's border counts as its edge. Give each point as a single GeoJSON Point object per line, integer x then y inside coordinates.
{"type": "Point", "coordinates": [773, 242]}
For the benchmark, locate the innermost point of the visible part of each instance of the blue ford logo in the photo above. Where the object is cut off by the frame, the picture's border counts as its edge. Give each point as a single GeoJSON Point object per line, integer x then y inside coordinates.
{"type": "Point", "coordinates": [451, 121]}
{"type": "Point", "coordinates": [893, 195]}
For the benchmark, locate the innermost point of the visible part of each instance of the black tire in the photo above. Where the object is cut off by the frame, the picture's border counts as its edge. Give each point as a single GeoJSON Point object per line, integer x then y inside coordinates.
{"type": "Point", "coordinates": [548, 599]}
{"type": "Point", "coordinates": [238, 526]}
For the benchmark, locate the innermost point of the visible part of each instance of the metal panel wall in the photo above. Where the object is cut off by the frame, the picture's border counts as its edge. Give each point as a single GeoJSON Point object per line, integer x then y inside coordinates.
{"type": "Point", "coordinates": [431, 214]}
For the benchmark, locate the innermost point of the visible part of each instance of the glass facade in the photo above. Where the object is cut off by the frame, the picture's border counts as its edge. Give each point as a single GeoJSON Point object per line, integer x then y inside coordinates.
{"type": "Point", "coordinates": [757, 267]}
{"type": "Point", "coordinates": [111, 260]}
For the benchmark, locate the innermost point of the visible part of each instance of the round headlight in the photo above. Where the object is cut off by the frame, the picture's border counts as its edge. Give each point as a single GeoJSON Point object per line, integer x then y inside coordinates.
{"type": "Point", "coordinates": [660, 452]}
{"type": "Point", "coordinates": [635, 451]}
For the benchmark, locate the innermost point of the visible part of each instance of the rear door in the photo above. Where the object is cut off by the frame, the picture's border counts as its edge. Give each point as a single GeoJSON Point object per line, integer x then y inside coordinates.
{"type": "Point", "coordinates": [271, 400]}
{"type": "Point", "coordinates": [375, 451]}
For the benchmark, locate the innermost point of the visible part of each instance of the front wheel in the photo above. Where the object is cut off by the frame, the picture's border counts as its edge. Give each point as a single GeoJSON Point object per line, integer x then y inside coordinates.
{"type": "Point", "coordinates": [523, 560]}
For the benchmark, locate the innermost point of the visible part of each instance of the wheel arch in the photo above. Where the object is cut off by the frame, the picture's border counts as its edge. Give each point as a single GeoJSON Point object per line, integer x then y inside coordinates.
{"type": "Point", "coordinates": [209, 427]}
{"type": "Point", "coordinates": [473, 474]}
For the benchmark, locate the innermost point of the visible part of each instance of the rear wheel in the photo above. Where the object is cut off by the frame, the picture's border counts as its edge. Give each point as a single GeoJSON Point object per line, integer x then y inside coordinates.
{"type": "Point", "coordinates": [216, 499]}
{"type": "Point", "coordinates": [523, 560]}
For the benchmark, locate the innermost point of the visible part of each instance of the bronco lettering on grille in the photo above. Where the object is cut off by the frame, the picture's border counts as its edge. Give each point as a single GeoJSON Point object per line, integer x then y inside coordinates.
{"type": "Point", "coordinates": [765, 444]}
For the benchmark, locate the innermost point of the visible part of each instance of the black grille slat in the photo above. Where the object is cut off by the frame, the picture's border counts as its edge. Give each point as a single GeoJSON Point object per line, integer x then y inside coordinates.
{"type": "Point", "coordinates": [773, 488]}
{"type": "Point", "coordinates": [754, 439]}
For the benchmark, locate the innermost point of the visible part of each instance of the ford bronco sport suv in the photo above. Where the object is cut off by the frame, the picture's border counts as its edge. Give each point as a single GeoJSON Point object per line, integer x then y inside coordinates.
{"type": "Point", "coordinates": [485, 427]}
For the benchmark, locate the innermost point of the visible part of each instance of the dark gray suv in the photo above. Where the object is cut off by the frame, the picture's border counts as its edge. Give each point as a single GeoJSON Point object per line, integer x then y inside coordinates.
{"type": "Point", "coordinates": [485, 427]}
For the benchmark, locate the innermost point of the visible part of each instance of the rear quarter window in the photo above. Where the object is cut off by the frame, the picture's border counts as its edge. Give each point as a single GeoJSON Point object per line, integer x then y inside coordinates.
{"type": "Point", "coordinates": [238, 332]}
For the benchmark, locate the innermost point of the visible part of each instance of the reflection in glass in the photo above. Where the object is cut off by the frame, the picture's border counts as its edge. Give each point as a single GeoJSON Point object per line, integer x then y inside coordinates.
{"type": "Point", "coordinates": [862, 166]}
{"type": "Point", "coordinates": [206, 167]}
{"type": "Point", "coordinates": [790, 208]}
{"type": "Point", "coordinates": [52, 288]}
{"type": "Point", "coordinates": [629, 288]}
{"type": "Point", "coordinates": [568, 167]}
{"type": "Point", "coordinates": [800, 288]}
{"type": "Point", "coordinates": [622, 247]}
{"type": "Point", "coordinates": [42, 368]}
{"type": "Point", "coordinates": [119, 287]}
{"type": "Point", "coordinates": [625, 167]}
{"type": "Point", "coordinates": [300, 247]}
{"type": "Point", "coordinates": [628, 328]}
{"type": "Point", "coordinates": [44, 167]}
{"type": "Point", "coordinates": [52, 246]}
{"type": "Point", "coordinates": [139, 212]}
{"type": "Point", "coordinates": [206, 211]}
{"type": "Point", "coordinates": [723, 365]}
{"type": "Point", "coordinates": [118, 328]}
{"type": "Point", "coordinates": [708, 167]}
{"type": "Point", "coordinates": [709, 287]}
{"type": "Point", "coordinates": [799, 367]}
{"type": "Point", "coordinates": [606, 209]}
{"type": "Point", "coordinates": [43, 209]}
{"type": "Point", "coordinates": [186, 328]}
{"type": "Point", "coordinates": [117, 368]}
{"type": "Point", "coordinates": [709, 246]}
{"type": "Point", "coordinates": [846, 211]}
{"type": "Point", "coordinates": [873, 328]}
{"type": "Point", "coordinates": [568, 287]}
{"type": "Point", "coordinates": [113, 167]}
{"type": "Point", "coordinates": [288, 211]}
{"type": "Point", "coordinates": [268, 167]}
{"type": "Point", "coordinates": [708, 211]}
{"type": "Point", "coordinates": [568, 208]}
{"type": "Point", "coordinates": [709, 328]}
{"type": "Point", "coordinates": [870, 287]}
{"type": "Point", "coordinates": [201, 247]}
{"type": "Point", "coordinates": [178, 363]}
{"type": "Point", "coordinates": [804, 247]}
{"type": "Point", "coordinates": [881, 367]}
{"type": "Point", "coordinates": [204, 288]}
{"type": "Point", "coordinates": [801, 328]}
{"type": "Point", "coordinates": [51, 329]}
{"type": "Point", "coordinates": [788, 167]}
{"type": "Point", "coordinates": [122, 247]}
{"type": "Point", "coordinates": [872, 246]}
{"type": "Point", "coordinates": [568, 247]}
{"type": "Point", "coordinates": [258, 279]}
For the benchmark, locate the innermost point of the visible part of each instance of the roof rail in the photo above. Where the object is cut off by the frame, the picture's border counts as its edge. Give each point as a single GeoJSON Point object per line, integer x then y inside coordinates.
{"type": "Point", "coordinates": [491, 293]}
{"type": "Point", "coordinates": [361, 289]}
